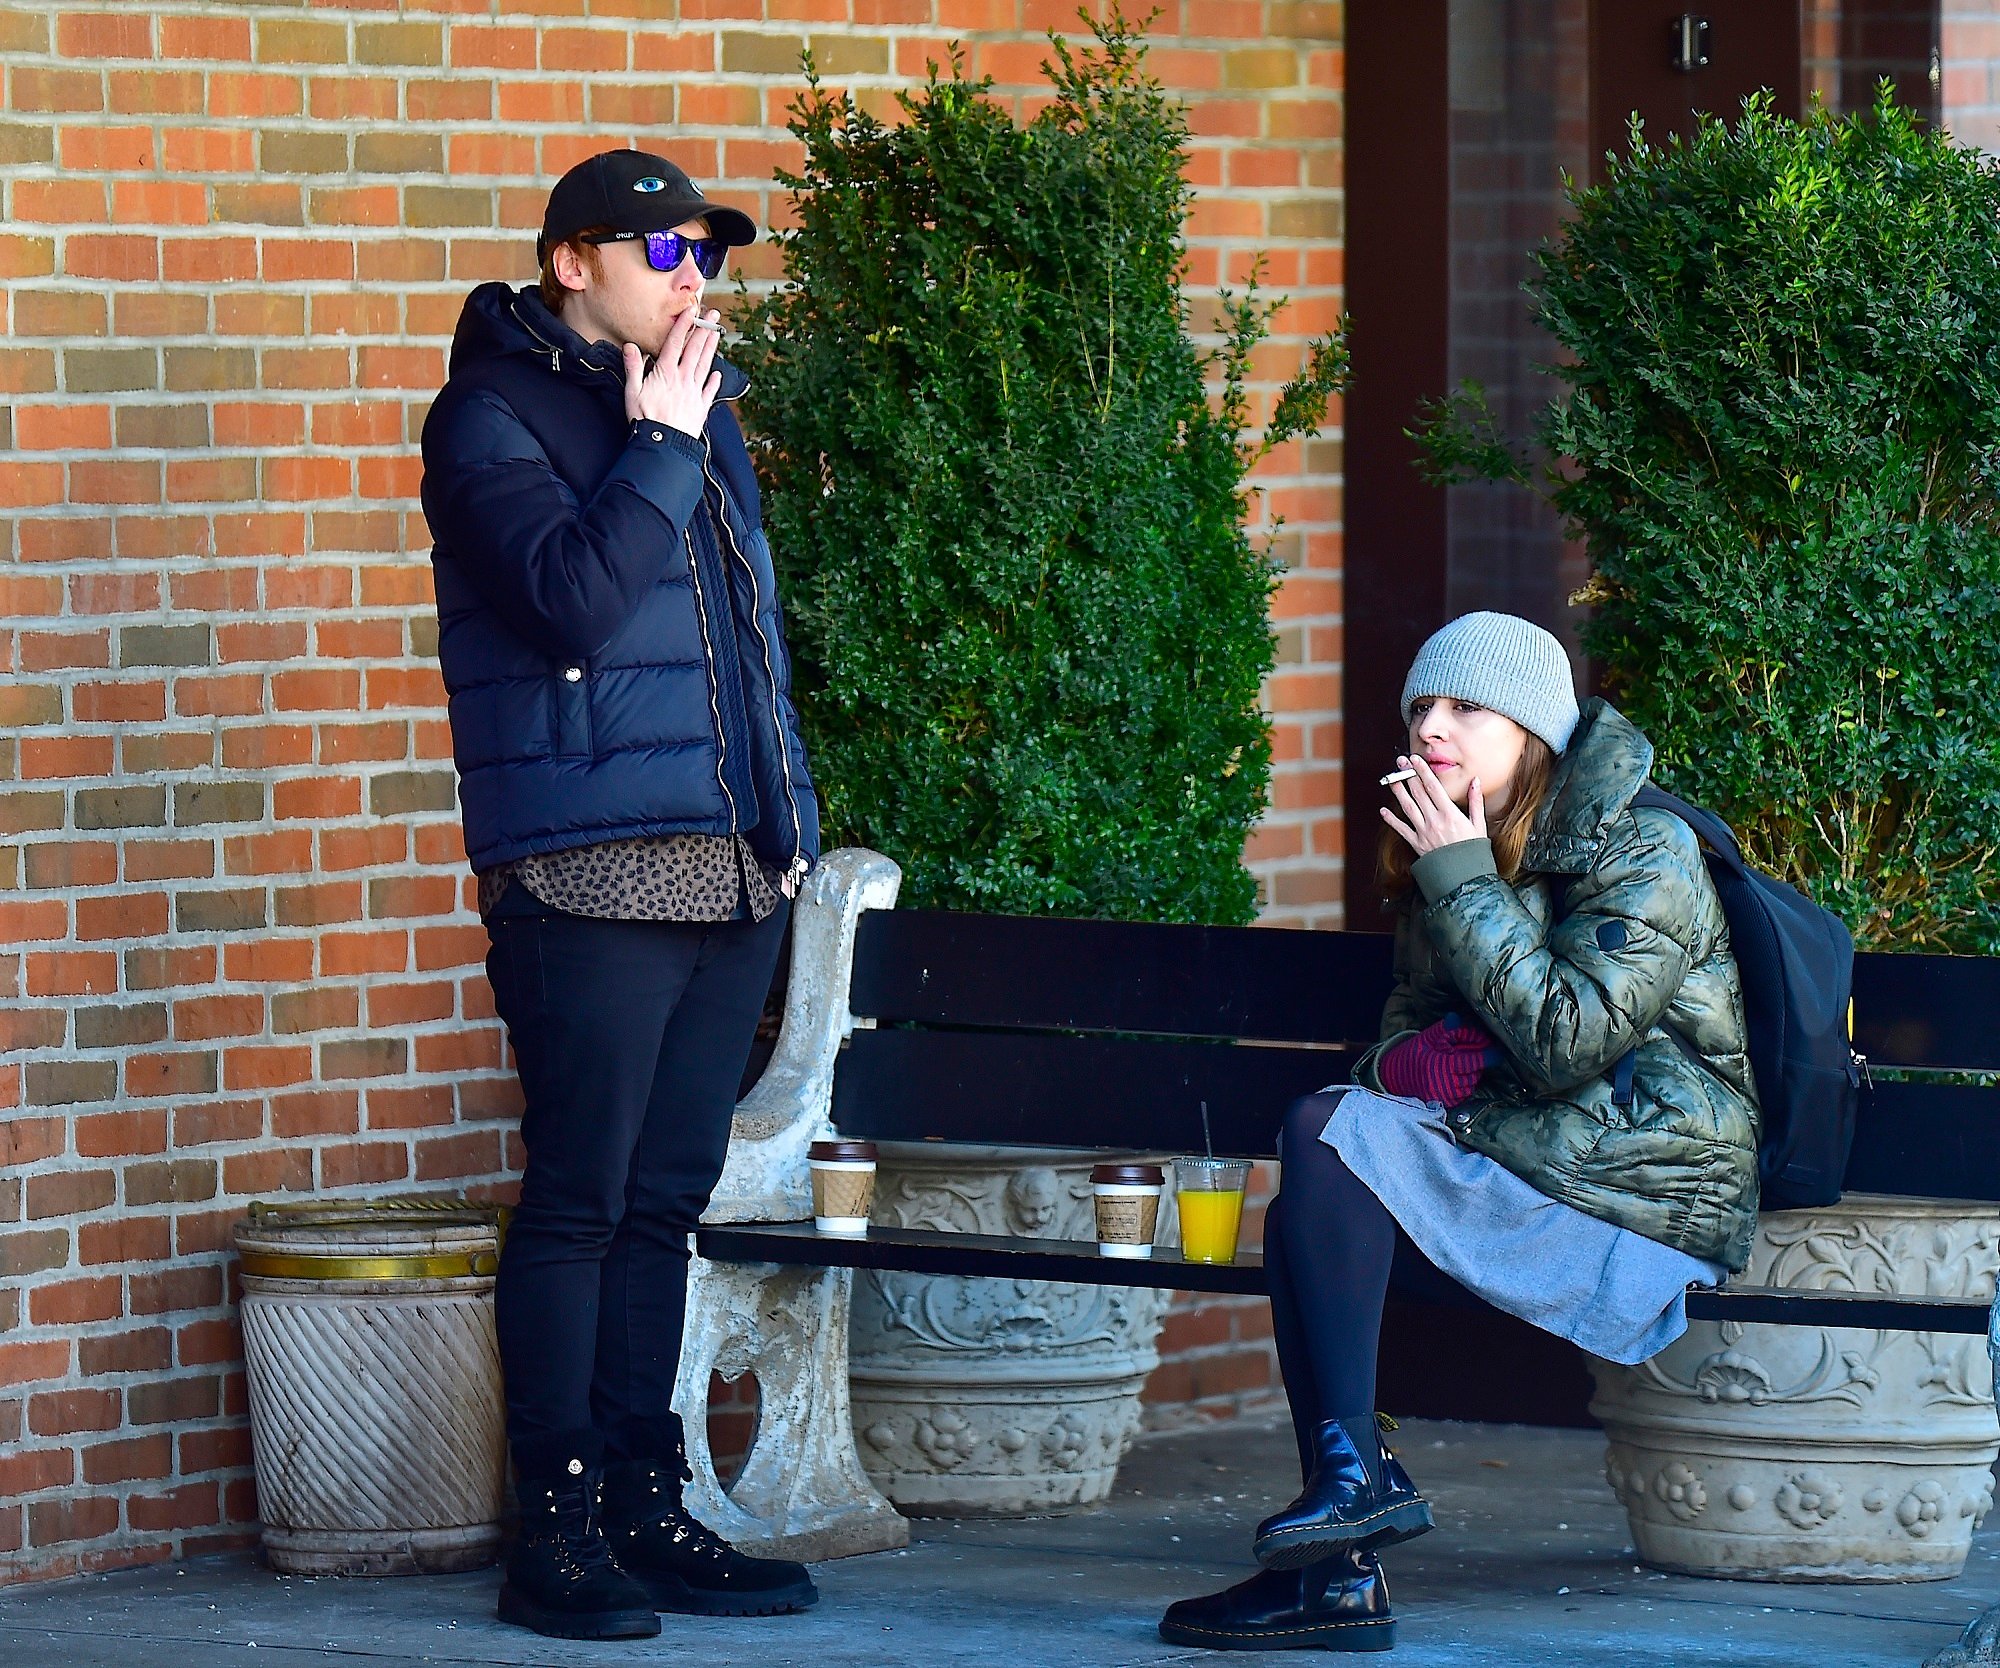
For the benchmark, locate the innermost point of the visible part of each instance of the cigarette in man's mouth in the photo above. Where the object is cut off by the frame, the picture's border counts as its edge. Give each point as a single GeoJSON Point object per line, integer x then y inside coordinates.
{"type": "Point", "coordinates": [1395, 776]}
{"type": "Point", "coordinates": [708, 324]}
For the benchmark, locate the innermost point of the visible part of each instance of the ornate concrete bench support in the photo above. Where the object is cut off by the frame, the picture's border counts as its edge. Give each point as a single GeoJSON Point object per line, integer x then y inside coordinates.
{"type": "Point", "coordinates": [802, 1492]}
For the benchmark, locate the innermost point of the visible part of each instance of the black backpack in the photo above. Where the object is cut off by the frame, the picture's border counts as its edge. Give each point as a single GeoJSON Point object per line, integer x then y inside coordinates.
{"type": "Point", "coordinates": [1797, 965]}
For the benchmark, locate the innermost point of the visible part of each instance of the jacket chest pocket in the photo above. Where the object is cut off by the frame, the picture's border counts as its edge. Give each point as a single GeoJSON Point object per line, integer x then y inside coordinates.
{"type": "Point", "coordinates": [572, 704]}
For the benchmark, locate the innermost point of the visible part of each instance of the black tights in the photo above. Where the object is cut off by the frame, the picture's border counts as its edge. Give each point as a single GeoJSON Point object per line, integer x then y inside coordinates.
{"type": "Point", "coordinates": [1328, 1248]}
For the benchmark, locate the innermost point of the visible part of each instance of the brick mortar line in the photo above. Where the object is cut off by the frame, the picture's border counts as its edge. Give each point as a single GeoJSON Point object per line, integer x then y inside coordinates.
{"type": "Point", "coordinates": [591, 26]}
{"type": "Point", "coordinates": [542, 22]}
{"type": "Point", "coordinates": [1306, 91]}
{"type": "Point", "coordinates": [279, 9]}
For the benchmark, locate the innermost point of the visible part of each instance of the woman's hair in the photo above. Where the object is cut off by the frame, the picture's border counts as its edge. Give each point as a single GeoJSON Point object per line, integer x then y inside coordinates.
{"type": "Point", "coordinates": [1508, 828]}
{"type": "Point", "coordinates": [554, 291]}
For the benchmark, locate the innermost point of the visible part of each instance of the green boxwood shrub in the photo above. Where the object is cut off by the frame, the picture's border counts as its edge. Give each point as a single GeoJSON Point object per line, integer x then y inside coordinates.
{"type": "Point", "coordinates": [1779, 432]}
{"type": "Point", "coordinates": [1030, 630]}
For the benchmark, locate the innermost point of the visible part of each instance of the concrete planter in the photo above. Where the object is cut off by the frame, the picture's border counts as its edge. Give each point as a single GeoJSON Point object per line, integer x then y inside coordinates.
{"type": "Point", "coordinates": [987, 1397]}
{"type": "Point", "coordinates": [375, 1410]}
{"type": "Point", "coordinates": [1798, 1454]}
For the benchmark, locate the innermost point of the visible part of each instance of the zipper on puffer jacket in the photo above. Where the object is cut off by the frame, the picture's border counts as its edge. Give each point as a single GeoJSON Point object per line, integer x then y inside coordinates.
{"type": "Point", "coordinates": [714, 688]}
{"type": "Point", "coordinates": [728, 672]}
{"type": "Point", "coordinates": [799, 861]}
{"type": "Point", "coordinates": [549, 347]}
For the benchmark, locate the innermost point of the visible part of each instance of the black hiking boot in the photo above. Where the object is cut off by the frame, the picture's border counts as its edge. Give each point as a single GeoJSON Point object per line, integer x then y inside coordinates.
{"type": "Point", "coordinates": [1339, 1604]}
{"type": "Point", "coordinates": [562, 1580]}
{"type": "Point", "coordinates": [683, 1564]}
{"type": "Point", "coordinates": [1353, 1498]}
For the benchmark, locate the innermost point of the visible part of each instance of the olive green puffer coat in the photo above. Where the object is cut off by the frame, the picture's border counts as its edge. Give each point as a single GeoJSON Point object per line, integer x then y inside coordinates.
{"type": "Point", "coordinates": [1641, 959]}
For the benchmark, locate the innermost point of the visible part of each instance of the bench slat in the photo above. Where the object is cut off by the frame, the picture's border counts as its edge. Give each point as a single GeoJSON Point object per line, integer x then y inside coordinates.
{"type": "Point", "coordinates": [1938, 1012]}
{"type": "Point", "coordinates": [1029, 1090]}
{"type": "Point", "coordinates": [928, 1251]}
{"type": "Point", "coordinates": [934, 967]}
{"type": "Point", "coordinates": [1871, 1310]}
{"type": "Point", "coordinates": [1924, 1140]}
{"type": "Point", "coordinates": [938, 967]}
{"type": "Point", "coordinates": [1928, 1140]}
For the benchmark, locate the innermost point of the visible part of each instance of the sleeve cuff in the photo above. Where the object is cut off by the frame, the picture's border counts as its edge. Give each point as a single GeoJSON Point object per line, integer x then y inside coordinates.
{"type": "Point", "coordinates": [664, 467]}
{"type": "Point", "coordinates": [1367, 1070]}
{"type": "Point", "coordinates": [1440, 873]}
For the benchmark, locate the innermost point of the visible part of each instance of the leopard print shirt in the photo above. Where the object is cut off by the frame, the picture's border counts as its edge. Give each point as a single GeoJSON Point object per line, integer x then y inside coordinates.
{"type": "Point", "coordinates": [669, 877]}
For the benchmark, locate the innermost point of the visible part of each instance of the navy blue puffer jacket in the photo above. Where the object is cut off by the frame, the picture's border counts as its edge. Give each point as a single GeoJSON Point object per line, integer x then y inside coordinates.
{"type": "Point", "coordinates": [607, 610]}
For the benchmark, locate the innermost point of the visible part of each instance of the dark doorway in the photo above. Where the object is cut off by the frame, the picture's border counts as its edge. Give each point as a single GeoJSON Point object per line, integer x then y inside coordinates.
{"type": "Point", "coordinates": [1462, 116]}
{"type": "Point", "coordinates": [1399, 296]}
{"type": "Point", "coordinates": [1635, 45]}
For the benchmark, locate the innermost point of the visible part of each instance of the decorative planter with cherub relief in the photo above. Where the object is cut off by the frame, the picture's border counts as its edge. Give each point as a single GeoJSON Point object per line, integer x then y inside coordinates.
{"type": "Point", "coordinates": [979, 1397]}
{"type": "Point", "coordinates": [1794, 1453]}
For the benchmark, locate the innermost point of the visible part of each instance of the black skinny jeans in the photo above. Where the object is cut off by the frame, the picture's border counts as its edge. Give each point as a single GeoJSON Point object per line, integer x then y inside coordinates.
{"type": "Point", "coordinates": [1329, 1251]}
{"type": "Point", "coordinates": [631, 1038]}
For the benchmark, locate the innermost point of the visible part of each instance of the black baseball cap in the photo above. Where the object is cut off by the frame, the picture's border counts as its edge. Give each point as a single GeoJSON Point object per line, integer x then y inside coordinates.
{"type": "Point", "coordinates": [633, 191]}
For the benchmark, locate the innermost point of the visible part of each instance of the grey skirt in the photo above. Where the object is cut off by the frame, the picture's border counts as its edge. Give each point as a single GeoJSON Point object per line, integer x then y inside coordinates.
{"type": "Point", "coordinates": [1618, 1294]}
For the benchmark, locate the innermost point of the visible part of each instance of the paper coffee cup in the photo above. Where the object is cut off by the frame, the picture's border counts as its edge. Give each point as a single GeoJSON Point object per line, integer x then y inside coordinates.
{"type": "Point", "coordinates": [843, 1183]}
{"type": "Point", "coordinates": [1127, 1198]}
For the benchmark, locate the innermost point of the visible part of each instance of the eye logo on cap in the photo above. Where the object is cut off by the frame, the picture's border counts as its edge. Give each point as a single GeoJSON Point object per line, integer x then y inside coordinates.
{"type": "Point", "coordinates": [650, 184]}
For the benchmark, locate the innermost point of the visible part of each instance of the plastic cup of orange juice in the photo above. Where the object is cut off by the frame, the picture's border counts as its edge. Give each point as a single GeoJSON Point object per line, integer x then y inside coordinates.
{"type": "Point", "coordinates": [1211, 1199]}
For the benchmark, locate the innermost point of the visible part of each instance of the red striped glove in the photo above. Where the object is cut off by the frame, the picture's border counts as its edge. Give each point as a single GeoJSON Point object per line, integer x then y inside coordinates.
{"type": "Point", "coordinates": [1443, 1062]}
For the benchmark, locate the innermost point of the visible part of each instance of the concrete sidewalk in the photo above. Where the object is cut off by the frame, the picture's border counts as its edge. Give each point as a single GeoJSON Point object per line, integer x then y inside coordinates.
{"type": "Point", "coordinates": [1529, 1566]}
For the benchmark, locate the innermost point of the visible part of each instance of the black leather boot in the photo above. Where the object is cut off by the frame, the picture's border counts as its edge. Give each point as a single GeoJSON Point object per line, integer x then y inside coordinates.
{"type": "Point", "coordinates": [683, 1564]}
{"type": "Point", "coordinates": [561, 1578]}
{"type": "Point", "coordinates": [1338, 1604]}
{"type": "Point", "coordinates": [1357, 1496]}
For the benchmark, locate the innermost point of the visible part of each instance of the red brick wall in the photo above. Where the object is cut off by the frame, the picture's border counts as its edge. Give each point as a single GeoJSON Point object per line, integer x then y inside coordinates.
{"type": "Point", "coordinates": [1217, 1360]}
{"type": "Point", "coordinates": [1849, 45]}
{"type": "Point", "coordinates": [236, 952]}
{"type": "Point", "coordinates": [1969, 53]}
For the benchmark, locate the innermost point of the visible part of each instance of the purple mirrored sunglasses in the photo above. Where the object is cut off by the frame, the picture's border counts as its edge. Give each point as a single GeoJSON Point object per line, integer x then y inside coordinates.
{"type": "Point", "coordinates": [666, 250]}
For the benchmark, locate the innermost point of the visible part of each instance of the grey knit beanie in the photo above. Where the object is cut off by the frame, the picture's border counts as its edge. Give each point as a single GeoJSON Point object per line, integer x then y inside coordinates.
{"type": "Point", "coordinates": [1503, 662]}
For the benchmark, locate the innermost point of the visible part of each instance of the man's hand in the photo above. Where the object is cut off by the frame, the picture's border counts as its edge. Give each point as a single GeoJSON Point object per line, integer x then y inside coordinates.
{"type": "Point", "coordinates": [1429, 818]}
{"type": "Point", "coordinates": [680, 387]}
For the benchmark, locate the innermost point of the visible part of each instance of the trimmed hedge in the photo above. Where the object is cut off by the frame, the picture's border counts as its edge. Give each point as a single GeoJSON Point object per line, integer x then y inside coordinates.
{"type": "Point", "coordinates": [1780, 436]}
{"type": "Point", "coordinates": [1029, 628]}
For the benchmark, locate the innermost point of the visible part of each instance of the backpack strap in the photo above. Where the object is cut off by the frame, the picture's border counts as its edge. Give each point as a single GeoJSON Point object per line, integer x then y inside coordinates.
{"type": "Point", "coordinates": [1710, 829]}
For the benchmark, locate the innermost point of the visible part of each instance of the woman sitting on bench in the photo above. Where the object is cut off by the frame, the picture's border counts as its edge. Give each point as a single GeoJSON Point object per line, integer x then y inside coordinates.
{"type": "Point", "coordinates": [1560, 1114]}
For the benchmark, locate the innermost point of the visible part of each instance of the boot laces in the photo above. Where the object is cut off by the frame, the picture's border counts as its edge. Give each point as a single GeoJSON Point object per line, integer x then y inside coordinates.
{"type": "Point", "coordinates": [574, 1520]}
{"type": "Point", "coordinates": [667, 1512]}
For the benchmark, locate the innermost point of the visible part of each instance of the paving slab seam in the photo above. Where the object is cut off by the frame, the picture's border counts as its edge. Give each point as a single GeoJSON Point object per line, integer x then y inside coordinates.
{"type": "Point", "coordinates": [1524, 1514]}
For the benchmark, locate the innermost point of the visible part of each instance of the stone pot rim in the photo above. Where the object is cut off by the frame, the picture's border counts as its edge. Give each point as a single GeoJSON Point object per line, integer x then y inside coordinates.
{"type": "Point", "coordinates": [952, 1155]}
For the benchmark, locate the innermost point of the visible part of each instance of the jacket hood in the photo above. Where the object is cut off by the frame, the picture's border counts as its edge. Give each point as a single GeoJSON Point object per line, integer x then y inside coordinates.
{"type": "Point", "coordinates": [1606, 763]}
{"type": "Point", "coordinates": [499, 320]}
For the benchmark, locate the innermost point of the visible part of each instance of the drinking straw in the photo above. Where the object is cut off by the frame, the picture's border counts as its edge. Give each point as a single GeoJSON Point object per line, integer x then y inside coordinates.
{"type": "Point", "coordinates": [1207, 1143]}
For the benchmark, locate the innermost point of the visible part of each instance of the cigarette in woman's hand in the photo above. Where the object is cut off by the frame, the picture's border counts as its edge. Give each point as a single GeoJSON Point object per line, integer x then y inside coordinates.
{"type": "Point", "coordinates": [1395, 776]}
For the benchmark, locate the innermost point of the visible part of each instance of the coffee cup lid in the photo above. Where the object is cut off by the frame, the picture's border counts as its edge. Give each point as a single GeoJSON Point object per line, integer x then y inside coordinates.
{"type": "Point", "coordinates": [843, 1152]}
{"type": "Point", "coordinates": [1130, 1175]}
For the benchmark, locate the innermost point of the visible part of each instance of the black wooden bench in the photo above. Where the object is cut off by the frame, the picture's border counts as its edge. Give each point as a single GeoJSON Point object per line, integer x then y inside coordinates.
{"type": "Point", "coordinates": [1019, 1031]}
